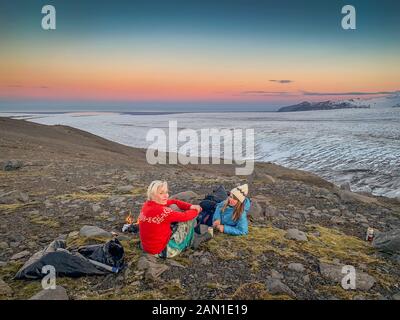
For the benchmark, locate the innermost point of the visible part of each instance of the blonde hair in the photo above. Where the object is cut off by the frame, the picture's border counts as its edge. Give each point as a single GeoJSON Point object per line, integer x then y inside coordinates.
{"type": "Point", "coordinates": [154, 186]}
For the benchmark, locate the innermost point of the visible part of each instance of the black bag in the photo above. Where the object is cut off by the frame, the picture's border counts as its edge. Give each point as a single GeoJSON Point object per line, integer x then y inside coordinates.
{"type": "Point", "coordinates": [72, 264]}
{"type": "Point", "coordinates": [209, 204]}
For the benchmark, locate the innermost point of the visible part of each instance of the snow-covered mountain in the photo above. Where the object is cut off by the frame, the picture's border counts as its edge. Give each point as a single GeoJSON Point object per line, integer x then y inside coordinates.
{"type": "Point", "coordinates": [386, 101]}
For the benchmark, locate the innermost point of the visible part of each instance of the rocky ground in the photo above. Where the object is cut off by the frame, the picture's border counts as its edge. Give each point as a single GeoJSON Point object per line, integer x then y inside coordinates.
{"type": "Point", "coordinates": [302, 230]}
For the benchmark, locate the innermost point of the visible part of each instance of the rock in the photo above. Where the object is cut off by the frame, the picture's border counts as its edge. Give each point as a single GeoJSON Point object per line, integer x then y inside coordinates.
{"type": "Point", "coordinates": [396, 296]}
{"type": "Point", "coordinates": [338, 220]}
{"type": "Point", "coordinates": [59, 293]}
{"type": "Point", "coordinates": [205, 261]}
{"type": "Point", "coordinates": [275, 286]}
{"type": "Point", "coordinates": [298, 267]}
{"type": "Point", "coordinates": [11, 165]}
{"type": "Point", "coordinates": [20, 255]}
{"type": "Point", "coordinates": [388, 242]}
{"type": "Point", "coordinates": [348, 196]}
{"type": "Point", "coordinates": [174, 263]}
{"type": "Point", "coordinates": [255, 211]}
{"type": "Point", "coordinates": [333, 272]}
{"type": "Point", "coordinates": [268, 179]}
{"type": "Point", "coordinates": [345, 186]}
{"type": "Point", "coordinates": [131, 178]}
{"type": "Point", "coordinates": [23, 197]}
{"type": "Point", "coordinates": [306, 278]}
{"type": "Point", "coordinates": [294, 234]}
{"type": "Point", "coordinates": [276, 275]}
{"type": "Point", "coordinates": [187, 196]}
{"type": "Point", "coordinates": [73, 235]}
{"type": "Point", "coordinates": [13, 196]}
{"type": "Point", "coordinates": [125, 189]}
{"type": "Point", "coordinates": [4, 245]}
{"type": "Point", "coordinates": [94, 232]}
{"type": "Point", "coordinates": [152, 269]}
{"type": "Point", "coordinates": [5, 289]}
{"type": "Point", "coordinates": [96, 208]}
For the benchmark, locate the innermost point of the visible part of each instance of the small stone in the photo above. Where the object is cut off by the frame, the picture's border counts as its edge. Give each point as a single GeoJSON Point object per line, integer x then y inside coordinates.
{"type": "Point", "coordinates": [337, 220]}
{"type": "Point", "coordinates": [96, 208]}
{"type": "Point", "coordinates": [94, 232]}
{"type": "Point", "coordinates": [298, 267]}
{"type": "Point", "coordinates": [20, 255]}
{"type": "Point", "coordinates": [275, 286]}
{"type": "Point", "coordinates": [59, 293]}
{"type": "Point", "coordinates": [5, 289]}
{"type": "Point", "coordinates": [396, 296]}
{"type": "Point", "coordinates": [125, 189]}
{"type": "Point", "coordinates": [306, 278]}
{"type": "Point", "coordinates": [4, 245]}
{"type": "Point", "coordinates": [276, 275]}
{"type": "Point", "coordinates": [11, 165]}
{"type": "Point", "coordinates": [295, 234]}
{"type": "Point", "coordinates": [204, 261]}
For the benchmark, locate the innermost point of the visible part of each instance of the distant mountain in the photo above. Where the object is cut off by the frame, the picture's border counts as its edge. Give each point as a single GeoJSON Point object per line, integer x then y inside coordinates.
{"type": "Point", "coordinates": [324, 105]}
{"type": "Point", "coordinates": [386, 101]}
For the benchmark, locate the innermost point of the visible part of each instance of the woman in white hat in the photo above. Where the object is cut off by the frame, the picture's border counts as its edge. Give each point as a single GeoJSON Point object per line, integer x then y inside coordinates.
{"type": "Point", "coordinates": [230, 215]}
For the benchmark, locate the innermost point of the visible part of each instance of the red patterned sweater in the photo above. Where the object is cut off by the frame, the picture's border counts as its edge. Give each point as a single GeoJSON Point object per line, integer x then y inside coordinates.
{"type": "Point", "coordinates": [155, 220]}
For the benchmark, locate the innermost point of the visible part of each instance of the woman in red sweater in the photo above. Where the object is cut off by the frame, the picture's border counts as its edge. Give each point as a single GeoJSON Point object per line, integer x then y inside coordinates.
{"type": "Point", "coordinates": [155, 221]}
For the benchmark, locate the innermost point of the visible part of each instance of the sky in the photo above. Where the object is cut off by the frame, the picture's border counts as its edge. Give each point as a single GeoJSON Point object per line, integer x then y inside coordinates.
{"type": "Point", "coordinates": [194, 55]}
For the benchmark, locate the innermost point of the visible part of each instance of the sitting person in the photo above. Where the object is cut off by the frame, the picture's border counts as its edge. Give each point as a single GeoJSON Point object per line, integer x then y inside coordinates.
{"type": "Point", "coordinates": [156, 220]}
{"type": "Point", "coordinates": [230, 215]}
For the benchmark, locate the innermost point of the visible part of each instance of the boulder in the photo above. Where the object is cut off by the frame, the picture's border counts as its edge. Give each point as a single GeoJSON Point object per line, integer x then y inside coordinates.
{"type": "Point", "coordinates": [333, 272]}
{"type": "Point", "coordinates": [348, 196]}
{"type": "Point", "coordinates": [255, 211]}
{"type": "Point", "coordinates": [388, 242]}
{"type": "Point", "coordinates": [345, 186]}
{"type": "Point", "coordinates": [275, 286]}
{"type": "Point", "coordinates": [20, 255]}
{"type": "Point", "coordinates": [94, 232]}
{"type": "Point", "coordinates": [152, 269]}
{"type": "Point", "coordinates": [11, 165]}
{"type": "Point", "coordinates": [187, 196]}
{"type": "Point", "coordinates": [297, 235]}
{"type": "Point", "coordinates": [59, 293]}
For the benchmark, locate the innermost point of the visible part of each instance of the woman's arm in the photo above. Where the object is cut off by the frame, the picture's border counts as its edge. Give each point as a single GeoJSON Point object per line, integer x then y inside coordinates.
{"type": "Point", "coordinates": [217, 212]}
{"type": "Point", "coordinates": [240, 229]}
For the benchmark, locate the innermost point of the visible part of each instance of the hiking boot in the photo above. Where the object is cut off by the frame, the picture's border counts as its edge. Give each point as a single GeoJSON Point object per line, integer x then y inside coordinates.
{"type": "Point", "coordinates": [200, 238]}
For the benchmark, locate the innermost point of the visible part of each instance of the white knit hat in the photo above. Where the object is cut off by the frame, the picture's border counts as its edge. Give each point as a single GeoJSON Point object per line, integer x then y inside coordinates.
{"type": "Point", "coordinates": [240, 192]}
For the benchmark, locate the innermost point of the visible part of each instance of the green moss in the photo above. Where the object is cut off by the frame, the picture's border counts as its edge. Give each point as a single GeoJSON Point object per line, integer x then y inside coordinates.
{"type": "Point", "coordinates": [45, 221]}
{"type": "Point", "coordinates": [9, 208]}
{"type": "Point", "coordinates": [255, 291]}
{"type": "Point", "coordinates": [333, 244]}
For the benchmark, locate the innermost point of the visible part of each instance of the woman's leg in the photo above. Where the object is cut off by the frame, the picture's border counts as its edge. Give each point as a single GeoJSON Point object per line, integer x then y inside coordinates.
{"type": "Point", "coordinates": [181, 239]}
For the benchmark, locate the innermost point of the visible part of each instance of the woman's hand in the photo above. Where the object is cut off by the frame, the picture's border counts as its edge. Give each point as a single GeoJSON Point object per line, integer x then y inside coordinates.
{"type": "Point", "coordinates": [216, 223]}
{"type": "Point", "coordinates": [196, 207]}
{"type": "Point", "coordinates": [220, 228]}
